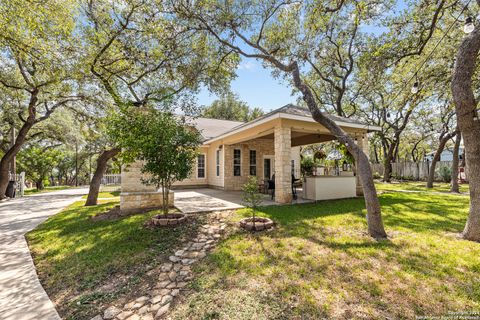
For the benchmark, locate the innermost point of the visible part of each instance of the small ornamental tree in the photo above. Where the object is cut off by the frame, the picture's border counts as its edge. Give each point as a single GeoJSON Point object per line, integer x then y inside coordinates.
{"type": "Point", "coordinates": [251, 197]}
{"type": "Point", "coordinates": [164, 142]}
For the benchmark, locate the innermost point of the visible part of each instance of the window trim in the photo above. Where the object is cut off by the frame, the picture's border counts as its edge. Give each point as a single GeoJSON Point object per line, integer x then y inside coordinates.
{"type": "Point", "coordinates": [250, 165]}
{"type": "Point", "coordinates": [217, 162]}
{"type": "Point", "coordinates": [204, 165]}
{"type": "Point", "coordinates": [239, 164]}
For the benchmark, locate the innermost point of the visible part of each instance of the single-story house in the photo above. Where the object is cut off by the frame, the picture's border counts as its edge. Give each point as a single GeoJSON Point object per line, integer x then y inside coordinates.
{"type": "Point", "coordinates": [232, 151]}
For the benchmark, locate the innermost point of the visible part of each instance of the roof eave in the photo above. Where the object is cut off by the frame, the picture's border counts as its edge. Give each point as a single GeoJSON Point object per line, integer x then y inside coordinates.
{"type": "Point", "coordinates": [284, 115]}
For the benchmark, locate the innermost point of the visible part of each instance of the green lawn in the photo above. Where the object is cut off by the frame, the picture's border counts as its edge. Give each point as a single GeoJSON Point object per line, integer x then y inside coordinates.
{"type": "Point", "coordinates": [418, 186]}
{"type": "Point", "coordinates": [47, 189]}
{"type": "Point", "coordinates": [84, 263]}
{"type": "Point", "coordinates": [106, 194]}
{"type": "Point", "coordinates": [320, 263]}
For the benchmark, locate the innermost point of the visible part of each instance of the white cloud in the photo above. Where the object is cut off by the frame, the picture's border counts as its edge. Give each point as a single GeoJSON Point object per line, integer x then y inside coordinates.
{"type": "Point", "coordinates": [247, 65]}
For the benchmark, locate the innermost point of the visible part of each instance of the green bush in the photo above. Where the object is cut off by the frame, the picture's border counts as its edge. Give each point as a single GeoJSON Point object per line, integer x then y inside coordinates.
{"type": "Point", "coordinates": [445, 174]}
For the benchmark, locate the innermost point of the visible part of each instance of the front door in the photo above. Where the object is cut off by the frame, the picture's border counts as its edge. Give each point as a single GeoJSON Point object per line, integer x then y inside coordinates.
{"type": "Point", "coordinates": [268, 167]}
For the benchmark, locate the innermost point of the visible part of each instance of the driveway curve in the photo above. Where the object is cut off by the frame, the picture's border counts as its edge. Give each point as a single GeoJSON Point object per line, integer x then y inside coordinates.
{"type": "Point", "coordinates": [22, 297]}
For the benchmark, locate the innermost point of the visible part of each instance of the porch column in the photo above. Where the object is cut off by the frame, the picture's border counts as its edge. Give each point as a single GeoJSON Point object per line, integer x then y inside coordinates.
{"type": "Point", "coordinates": [283, 171]}
{"type": "Point", "coordinates": [362, 142]}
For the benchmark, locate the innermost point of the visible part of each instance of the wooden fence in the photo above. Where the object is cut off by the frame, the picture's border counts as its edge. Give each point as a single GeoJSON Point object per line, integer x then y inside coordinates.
{"type": "Point", "coordinates": [408, 170]}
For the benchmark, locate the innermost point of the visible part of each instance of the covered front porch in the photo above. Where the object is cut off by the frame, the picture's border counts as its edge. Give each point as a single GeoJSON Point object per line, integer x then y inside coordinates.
{"type": "Point", "coordinates": [273, 137]}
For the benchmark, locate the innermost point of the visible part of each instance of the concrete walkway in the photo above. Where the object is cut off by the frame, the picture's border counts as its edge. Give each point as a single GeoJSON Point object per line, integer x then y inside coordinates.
{"type": "Point", "coordinates": [209, 200]}
{"type": "Point", "coordinates": [21, 295]}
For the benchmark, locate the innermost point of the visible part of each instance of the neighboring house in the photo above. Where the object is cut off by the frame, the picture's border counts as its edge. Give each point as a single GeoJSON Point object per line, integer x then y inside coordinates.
{"type": "Point", "coordinates": [232, 151]}
{"type": "Point", "coordinates": [446, 155]}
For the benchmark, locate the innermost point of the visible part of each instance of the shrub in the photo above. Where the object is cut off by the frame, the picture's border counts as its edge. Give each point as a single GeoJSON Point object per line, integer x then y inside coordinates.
{"type": "Point", "coordinates": [445, 174]}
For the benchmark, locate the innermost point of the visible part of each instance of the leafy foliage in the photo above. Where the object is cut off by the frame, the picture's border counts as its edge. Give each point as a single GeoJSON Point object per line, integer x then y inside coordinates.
{"type": "Point", "coordinates": [251, 197]}
{"type": "Point", "coordinates": [164, 142]}
{"type": "Point", "coordinates": [230, 107]}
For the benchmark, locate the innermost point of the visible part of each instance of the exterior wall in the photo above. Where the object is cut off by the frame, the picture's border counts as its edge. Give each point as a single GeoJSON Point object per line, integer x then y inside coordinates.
{"type": "Point", "coordinates": [262, 146]}
{"type": "Point", "coordinates": [193, 180]}
{"type": "Point", "coordinates": [143, 200]}
{"type": "Point", "coordinates": [131, 179]}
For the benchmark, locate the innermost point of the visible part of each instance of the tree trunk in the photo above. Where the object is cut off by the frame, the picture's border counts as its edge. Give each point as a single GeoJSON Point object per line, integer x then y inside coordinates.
{"type": "Point", "coordinates": [39, 184]}
{"type": "Point", "coordinates": [374, 216]}
{"type": "Point", "coordinates": [102, 162]}
{"type": "Point", "coordinates": [469, 124]}
{"type": "Point", "coordinates": [387, 163]}
{"type": "Point", "coordinates": [456, 150]}
{"type": "Point", "coordinates": [436, 158]}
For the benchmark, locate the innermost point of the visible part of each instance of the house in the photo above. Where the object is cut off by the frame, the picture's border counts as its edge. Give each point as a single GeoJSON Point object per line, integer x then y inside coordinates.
{"type": "Point", "coordinates": [232, 151]}
{"type": "Point", "coordinates": [446, 155]}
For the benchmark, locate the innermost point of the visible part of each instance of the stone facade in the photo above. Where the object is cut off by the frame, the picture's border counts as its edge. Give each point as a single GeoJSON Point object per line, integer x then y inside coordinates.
{"type": "Point", "coordinates": [283, 171]}
{"type": "Point", "coordinates": [263, 147]}
{"type": "Point", "coordinates": [143, 200]}
{"type": "Point", "coordinates": [136, 195]}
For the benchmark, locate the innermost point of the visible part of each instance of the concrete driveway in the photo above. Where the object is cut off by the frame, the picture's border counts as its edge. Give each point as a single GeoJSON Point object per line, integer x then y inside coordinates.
{"type": "Point", "coordinates": [21, 295]}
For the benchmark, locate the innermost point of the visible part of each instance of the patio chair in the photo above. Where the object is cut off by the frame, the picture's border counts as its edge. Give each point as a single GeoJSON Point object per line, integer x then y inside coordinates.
{"type": "Point", "coordinates": [271, 186]}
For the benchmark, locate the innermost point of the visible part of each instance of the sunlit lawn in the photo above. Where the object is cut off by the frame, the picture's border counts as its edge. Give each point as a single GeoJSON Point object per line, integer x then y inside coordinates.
{"type": "Point", "coordinates": [106, 194]}
{"type": "Point", "coordinates": [83, 262]}
{"type": "Point", "coordinates": [319, 262]}
{"type": "Point", "coordinates": [47, 189]}
{"type": "Point", "coordinates": [418, 186]}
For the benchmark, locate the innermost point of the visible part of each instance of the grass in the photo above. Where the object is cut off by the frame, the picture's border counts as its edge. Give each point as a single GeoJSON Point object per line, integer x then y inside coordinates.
{"type": "Point", "coordinates": [106, 194]}
{"type": "Point", "coordinates": [320, 263]}
{"type": "Point", "coordinates": [47, 189]}
{"type": "Point", "coordinates": [84, 264]}
{"type": "Point", "coordinates": [418, 186]}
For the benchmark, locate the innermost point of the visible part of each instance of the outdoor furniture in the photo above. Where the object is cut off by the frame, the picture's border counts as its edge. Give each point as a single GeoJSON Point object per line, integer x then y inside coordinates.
{"type": "Point", "coordinates": [271, 186]}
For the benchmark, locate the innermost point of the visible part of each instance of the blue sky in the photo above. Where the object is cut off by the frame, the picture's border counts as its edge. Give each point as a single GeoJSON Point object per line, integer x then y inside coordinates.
{"type": "Point", "coordinates": [256, 86]}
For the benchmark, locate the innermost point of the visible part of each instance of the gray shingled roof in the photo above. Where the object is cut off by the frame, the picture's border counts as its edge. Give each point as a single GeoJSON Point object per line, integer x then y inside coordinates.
{"type": "Point", "coordinates": [211, 128]}
{"type": "Point", "coordinates": [299, 111]}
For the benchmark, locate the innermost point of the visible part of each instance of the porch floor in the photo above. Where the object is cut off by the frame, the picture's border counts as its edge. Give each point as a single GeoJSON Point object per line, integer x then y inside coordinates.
{"type": "Point", "coordinates": [206, 200]}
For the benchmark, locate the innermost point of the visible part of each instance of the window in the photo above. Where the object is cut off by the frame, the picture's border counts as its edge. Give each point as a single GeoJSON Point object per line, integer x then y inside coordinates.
{"type": "Point", "coordinates": [218, 163]}
{"type": "Point", "coordinates": [253, 162]}
{"type": "Point", "coordinates": [201, 166]}
{"type": "Point", "coordinates": [293, 168]}
{"type": "Point", "coordinates": [237, 162]}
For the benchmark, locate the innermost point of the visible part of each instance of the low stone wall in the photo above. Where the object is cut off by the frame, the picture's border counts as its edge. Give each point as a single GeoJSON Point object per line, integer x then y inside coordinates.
{"type": "Point", "coordinates": [143, 200]}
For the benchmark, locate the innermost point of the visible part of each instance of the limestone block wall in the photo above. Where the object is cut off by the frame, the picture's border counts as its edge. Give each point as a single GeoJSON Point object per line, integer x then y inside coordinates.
{"type": "Point", "coordinates": [131, 178]}
{"type": "Point", "coordinates": [261, 146]}
{"type": "Point", "coordinates": [193, 180]}
{"type": "Point", "coordinates": [143, 200]}
{"type": "Point", "coordinates": [283, 171]}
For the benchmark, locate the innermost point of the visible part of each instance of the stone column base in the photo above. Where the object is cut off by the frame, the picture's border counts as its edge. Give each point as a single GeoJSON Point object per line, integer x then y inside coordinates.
{"type": "Point", "coordinates": [143, 200]}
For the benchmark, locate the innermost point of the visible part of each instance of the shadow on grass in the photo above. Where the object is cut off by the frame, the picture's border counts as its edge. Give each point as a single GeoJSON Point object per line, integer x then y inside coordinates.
{"type": "Point", "coordinates": [74, 253]}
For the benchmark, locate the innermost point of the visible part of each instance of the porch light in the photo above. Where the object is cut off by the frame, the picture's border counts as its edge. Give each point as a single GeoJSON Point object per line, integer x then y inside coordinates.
{"type": "Point", "coordinates": [415, 87]}
{"type": "Point", "coordinates": [469, 26]}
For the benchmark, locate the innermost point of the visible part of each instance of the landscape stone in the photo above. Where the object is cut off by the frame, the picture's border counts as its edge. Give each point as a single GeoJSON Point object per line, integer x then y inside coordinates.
{"type": "Point", "coordinates": [124, 314]}
{"type": "Point", "coordinates": [166, 267]}
{"type": "Point", "coordinates": [97, 317]}
{"type": "Point", "coordinates": [166, 299]}
{"type": "Point", "coordinates": [111, 312]}
{"type": "Point", "coordinates": [147, 316]}
{"type": "Point", "coordinates": [174, 259]}
{"type": "Point", "coordinates": [175, 292]}
{"type": "Point", "coordinates": [162, 310]}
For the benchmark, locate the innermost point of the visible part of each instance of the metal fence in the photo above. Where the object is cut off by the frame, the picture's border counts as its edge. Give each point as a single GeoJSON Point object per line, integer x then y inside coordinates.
{"type": "Point", "coordinates": [408, 170]}
{"type": "Point", "coordinates": [111, 179]}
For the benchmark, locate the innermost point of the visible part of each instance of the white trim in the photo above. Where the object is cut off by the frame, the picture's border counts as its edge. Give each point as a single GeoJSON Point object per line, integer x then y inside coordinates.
{"type": "Point", "coordinates": [282, 115]}
{"type": "Point", "coordinates": [204, 166]}
{"type": "Point", "coordinates": [272, 164]}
